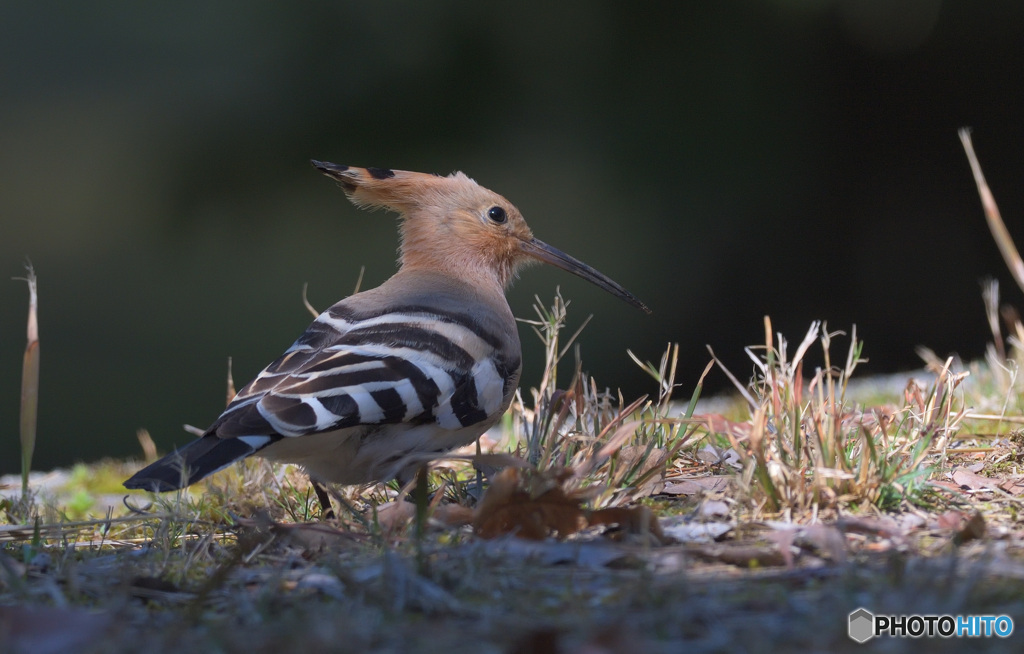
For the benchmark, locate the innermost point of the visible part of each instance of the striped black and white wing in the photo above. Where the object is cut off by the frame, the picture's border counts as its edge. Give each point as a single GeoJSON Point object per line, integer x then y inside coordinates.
{"type": "Point", "coordinates": [422, 366]}
{"type": "Point", "coordinates": [411, 364]}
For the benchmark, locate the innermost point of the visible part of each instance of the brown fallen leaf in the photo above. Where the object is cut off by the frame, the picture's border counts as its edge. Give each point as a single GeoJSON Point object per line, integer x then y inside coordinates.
{"type": "Point", "coordinates": [950, 486]}
{"type": "Point", "coordinates": [1013, 486]}
{"type": "Point", "coordinates": [634, 520]}
{"type": "Point", "coordinates": [534, 505]}
{"type": "Point", "coordinates": [964, 478]}
{"type": "Point", "coordinates": [395, 516]}
{"type": "Point", "coordinates": [453, 515]}
{"type": "Point", "coordinates": [509, 507]}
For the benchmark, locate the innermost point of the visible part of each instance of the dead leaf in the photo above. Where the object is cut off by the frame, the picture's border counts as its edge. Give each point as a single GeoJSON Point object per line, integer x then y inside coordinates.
{"type": "Point", "coordinates": [1013, 486]}
{"type": "Point", "coordinates": [709, 454]}
{"type": "Point", "coordinates": [713, 456]}
{"type": "Point", "coordinates": [534, 505]}
{"type": "Point", "coordinates": [972, 481]}
{"type": "Point", "coordinates": [453, 515]}
{"type": "Point", "coordinates": [514, 505]}
{"type": "Point", "coordinates": [395, 516]}
{"type": "Point", "coordinates": [950, 486]}
{"type": "Point", "coordinates": [634, 520]}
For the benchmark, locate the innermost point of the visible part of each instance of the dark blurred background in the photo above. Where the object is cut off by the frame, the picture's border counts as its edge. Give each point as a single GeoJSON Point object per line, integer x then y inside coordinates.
{"type": "Point", "coordinates": [726, 160]}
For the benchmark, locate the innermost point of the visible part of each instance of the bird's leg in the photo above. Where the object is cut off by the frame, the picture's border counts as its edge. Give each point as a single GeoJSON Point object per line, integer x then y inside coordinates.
{"type": "Point", "coordinates": [326, 510]}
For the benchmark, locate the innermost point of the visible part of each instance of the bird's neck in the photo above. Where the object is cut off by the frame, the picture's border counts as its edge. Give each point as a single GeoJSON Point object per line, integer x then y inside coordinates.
{"type": "Point", "coordinates": [465, 271]}
{"type": "Point", "coordinates": [454, 259]}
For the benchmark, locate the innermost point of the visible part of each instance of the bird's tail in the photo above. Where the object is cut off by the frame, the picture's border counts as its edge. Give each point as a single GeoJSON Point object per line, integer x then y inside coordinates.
{"type": "Point", "coordinates": [187, 465]}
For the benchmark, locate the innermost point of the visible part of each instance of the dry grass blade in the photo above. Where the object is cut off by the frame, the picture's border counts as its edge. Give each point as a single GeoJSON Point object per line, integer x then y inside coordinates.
{"type": "Point", "coordinates": [29, 382]}
{"type": "Point", "coordinates": [619, 451]}
{"type": "Point", "coordinates": [990, 297]}
{"type": "Point", "coordinates": [149, 454]}
{"type": "Point", "coordinates": [306, 303]}
{"type": "Point", "coordinates": [64, 529]}
{"type": "Point", "coordinates": [807, 446]}
{"type": "Point", "coordinates": [231, 385]}
{"type": "Point", "coordinates": [732, 378]}
{"type": "Point", "coordinates": [995, 221]}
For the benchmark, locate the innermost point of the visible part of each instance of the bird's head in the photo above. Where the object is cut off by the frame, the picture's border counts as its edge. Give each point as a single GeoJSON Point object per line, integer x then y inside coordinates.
{"type": "Point", "coordinates": [453, 224]}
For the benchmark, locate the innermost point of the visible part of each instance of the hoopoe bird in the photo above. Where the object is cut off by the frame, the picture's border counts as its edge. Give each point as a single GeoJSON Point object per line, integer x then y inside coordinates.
{"type": "Point", "coordinates": [386, 378]}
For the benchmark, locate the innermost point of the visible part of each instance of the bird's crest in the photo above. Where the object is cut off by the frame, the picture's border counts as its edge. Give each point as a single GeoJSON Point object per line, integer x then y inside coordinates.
{"type": "Point", "coordinates": [398, 190]}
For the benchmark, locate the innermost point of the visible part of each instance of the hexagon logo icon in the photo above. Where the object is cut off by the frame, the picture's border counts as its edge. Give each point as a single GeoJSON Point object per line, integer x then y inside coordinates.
{"type": "Point", "coordinates": [862, 625]}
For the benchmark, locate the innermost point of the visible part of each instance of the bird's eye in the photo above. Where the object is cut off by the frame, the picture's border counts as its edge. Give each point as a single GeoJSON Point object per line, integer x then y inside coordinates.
{"type": "Point", "coordinates": [497, 214]}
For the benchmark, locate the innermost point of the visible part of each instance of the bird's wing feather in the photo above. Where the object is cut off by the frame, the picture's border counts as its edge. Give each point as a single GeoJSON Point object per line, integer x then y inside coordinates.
{"type": "Point", "coordinates": [403, 367]}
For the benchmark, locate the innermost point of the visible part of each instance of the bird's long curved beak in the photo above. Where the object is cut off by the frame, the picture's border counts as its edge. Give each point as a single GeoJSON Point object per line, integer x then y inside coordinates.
{"type": "Point", "coordinates": [543, 252]}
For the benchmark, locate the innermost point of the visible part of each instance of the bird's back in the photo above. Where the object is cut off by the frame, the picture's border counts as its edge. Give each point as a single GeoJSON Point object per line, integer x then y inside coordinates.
{"type": "Point", "coordinates": [420, 349]}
